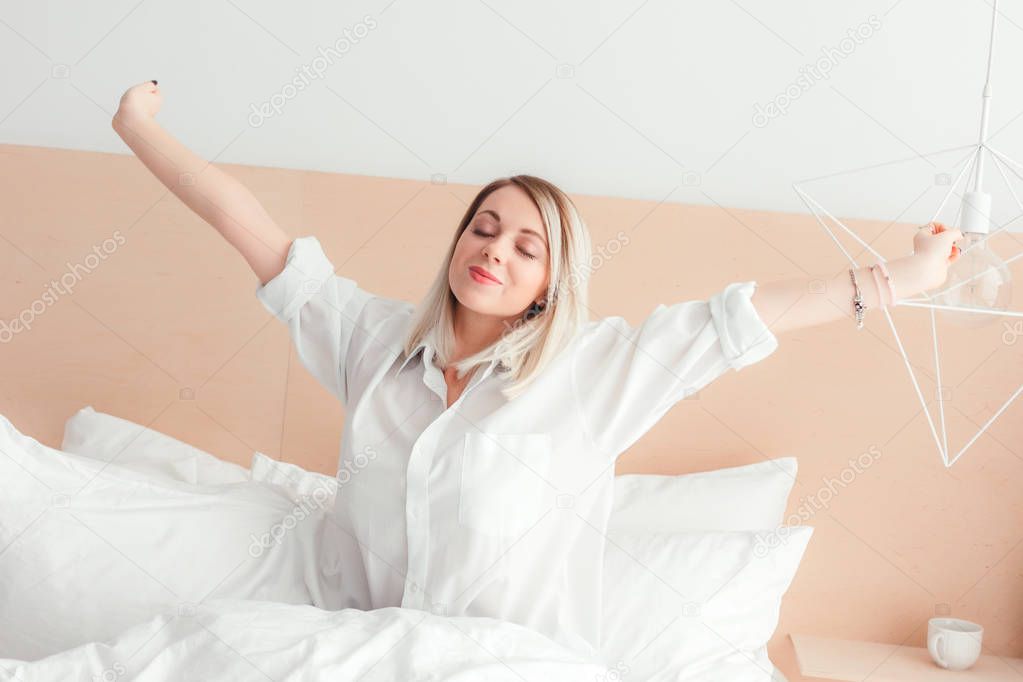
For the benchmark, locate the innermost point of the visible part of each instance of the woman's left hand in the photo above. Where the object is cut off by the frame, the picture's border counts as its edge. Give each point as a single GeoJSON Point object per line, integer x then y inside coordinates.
{"type": "Point", "coordinates": [934, 250]}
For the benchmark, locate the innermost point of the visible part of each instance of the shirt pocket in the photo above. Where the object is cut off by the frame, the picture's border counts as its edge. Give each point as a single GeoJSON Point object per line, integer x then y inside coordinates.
{"type": "Point", "coordinates": [504, 487]}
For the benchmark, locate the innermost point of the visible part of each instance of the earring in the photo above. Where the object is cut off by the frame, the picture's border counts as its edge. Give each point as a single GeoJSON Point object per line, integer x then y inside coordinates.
{"type": "Point", "coordinates": [535, 309]}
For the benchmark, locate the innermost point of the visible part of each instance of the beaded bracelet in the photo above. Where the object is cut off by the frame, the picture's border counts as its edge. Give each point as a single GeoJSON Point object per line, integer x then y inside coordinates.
{"type": "Point", "coordinates": [857, 300]}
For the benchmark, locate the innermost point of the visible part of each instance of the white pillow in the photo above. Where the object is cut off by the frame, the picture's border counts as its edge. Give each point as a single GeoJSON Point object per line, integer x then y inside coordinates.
{"type": "Point", "coordinates": [696, 605]}
{"type": "Point", "coordinates": [341, 576]}
{"type": "Point", "coordinates": [298, 482]}
{"type": "Point", "coordinates": [748, 497]}
{"type": "Point", "coordinates": [112, 439]}
{"type": "Point", "coordinates": [91, 548]}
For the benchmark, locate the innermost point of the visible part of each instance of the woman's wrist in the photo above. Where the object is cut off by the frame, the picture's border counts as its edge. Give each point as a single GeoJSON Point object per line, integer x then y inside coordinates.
{"type": "Point", "coordinates": [910, 276]}
{"type": "Point", "coordinates": [884, 294]}
{"type": "Point", "coordinates": [132, 123]}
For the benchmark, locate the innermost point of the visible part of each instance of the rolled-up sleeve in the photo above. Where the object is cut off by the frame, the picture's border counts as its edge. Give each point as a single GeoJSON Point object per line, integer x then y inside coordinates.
{"type": "Point", "coordinates": [745, 338]}
{"type": "Point", "coordinates": [626, 378]}
{"type": "Point", "coordinates": [322, 311]}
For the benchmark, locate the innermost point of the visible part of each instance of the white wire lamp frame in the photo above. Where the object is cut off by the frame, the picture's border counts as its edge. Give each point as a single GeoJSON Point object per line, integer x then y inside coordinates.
{"type": "Point", "coordinates": [974, 168]}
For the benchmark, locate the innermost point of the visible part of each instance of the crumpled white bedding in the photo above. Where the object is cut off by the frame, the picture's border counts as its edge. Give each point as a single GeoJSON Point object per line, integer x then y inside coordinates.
{"type": "Point", "coordinates": [257, 640]}
{"type": "Point", "coordinates": [129, 555]}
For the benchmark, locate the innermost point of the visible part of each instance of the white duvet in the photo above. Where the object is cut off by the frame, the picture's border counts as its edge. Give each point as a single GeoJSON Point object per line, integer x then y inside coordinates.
{"type": "Point", "coordinates": [255, 640]}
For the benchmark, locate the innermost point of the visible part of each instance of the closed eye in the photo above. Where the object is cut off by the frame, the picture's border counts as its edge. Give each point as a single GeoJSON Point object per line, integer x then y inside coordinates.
{"type": "Point", "coordinates": [517, 248]}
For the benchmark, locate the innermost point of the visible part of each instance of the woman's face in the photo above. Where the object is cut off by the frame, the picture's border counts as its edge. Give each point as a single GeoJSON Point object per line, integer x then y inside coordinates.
{"type": "Point", "coordinates": [506, 238]}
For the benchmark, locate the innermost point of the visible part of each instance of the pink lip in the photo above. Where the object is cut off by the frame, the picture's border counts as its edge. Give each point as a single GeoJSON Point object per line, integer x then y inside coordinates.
{"type": "Point", "coordinates": [482, 276]}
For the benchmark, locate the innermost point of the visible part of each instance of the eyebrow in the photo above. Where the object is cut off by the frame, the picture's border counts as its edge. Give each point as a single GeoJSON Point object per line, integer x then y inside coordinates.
{"type": "Point", "coordinates": [525, 229]}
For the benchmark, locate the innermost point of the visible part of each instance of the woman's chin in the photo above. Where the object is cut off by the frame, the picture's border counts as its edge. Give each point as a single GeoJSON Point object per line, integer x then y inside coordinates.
{"type": "Point", "coordinates": [478, 302]}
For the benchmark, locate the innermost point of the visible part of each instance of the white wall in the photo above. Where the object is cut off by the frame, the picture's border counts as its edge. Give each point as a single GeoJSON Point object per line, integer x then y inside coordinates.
{"type": "Point", "coordinates": [647, 99]}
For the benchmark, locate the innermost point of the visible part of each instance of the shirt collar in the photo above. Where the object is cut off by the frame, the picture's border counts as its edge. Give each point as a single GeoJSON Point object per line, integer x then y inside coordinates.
{"type": "Point", "coordinates": [424, 345]}
{"type": "Point", "coordinates": [415, 351]}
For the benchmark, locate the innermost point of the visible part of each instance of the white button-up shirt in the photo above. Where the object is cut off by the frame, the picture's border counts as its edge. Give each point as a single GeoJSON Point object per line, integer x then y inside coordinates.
{"type": "Point", "coordinates": [492, 507]}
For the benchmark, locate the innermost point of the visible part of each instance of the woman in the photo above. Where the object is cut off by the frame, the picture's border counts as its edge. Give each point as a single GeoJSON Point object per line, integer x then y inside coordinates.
{"type": "Point", "coordinates": [482, 426]}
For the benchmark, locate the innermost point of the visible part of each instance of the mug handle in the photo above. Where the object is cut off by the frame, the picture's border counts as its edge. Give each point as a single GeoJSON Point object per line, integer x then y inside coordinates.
{"type": "Point", "coordinates": [939, 640]}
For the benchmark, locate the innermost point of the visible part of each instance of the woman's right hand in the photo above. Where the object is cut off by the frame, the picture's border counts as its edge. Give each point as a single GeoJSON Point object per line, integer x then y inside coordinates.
{"type": "Point", "coordinates": [139, 101]}
{"type": "Point", "coordinates": [935, 250]}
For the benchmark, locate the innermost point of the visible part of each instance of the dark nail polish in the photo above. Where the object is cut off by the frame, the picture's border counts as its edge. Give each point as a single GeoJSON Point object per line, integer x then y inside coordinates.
{"type": "Point", "coordinates": [154, 82]}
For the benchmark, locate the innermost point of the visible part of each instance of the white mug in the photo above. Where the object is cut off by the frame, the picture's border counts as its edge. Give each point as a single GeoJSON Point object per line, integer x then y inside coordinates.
{"type": "Point", "coordinates": [954, 643]}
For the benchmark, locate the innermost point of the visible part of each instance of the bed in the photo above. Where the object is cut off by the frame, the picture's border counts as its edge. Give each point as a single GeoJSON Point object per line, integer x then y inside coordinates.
{"type": "Point", "coordinates": [128, 554]}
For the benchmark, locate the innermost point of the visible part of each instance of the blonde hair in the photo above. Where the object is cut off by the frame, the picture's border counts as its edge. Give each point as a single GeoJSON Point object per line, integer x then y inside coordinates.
{"type": "Point", "coordinates": [526, 347]}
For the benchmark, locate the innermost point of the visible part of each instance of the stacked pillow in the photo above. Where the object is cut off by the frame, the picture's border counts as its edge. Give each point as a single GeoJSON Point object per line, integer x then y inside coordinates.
{"type": "Point", "coordinates": [340, 578]}
{"type": "Point", "coordinates": [118, 441]}
{"type": "Point", "coordinates": [695, 568]}
{"type": "Point", "coordinates": [89, 548]}
{"type": "Point", "coordinates": [694, 572]}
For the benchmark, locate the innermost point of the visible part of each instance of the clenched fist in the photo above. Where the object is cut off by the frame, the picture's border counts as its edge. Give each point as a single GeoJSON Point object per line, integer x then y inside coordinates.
{"type": "Point", "coordinates": [934, 248]}
{"type": "Point", "coordinates": [138, 102]}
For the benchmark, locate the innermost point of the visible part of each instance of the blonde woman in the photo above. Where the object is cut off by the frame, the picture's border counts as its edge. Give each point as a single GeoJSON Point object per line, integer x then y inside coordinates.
{"type": "Point", "coordinates": [482, 426]}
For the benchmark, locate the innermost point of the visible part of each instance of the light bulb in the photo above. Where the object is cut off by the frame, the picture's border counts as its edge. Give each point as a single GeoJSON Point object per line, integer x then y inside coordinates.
{"type": "Point", "coordinates": [978, 279]}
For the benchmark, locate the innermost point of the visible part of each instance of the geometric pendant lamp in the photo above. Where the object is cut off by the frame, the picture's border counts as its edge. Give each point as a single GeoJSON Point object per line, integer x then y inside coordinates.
{"type": "Point", "coordinates": [977, 291]}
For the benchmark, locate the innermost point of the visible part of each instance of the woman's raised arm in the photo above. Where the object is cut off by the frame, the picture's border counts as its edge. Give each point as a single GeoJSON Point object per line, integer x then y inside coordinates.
{"type": "Point", "coordinates": [785, 305]}
{"type": "Point", "coordinates": [215, 196]}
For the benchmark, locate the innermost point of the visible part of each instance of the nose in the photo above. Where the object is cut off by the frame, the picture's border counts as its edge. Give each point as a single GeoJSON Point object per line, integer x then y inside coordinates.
{"type": "Point", "coordinates": [489, 249]}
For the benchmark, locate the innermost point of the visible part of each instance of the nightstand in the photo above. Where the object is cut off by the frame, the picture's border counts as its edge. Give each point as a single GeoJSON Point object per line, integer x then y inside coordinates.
{"type": "Point", "coordinates": [845, 659]}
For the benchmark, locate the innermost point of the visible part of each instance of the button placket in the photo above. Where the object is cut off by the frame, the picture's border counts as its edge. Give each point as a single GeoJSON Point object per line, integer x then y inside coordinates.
{"type": "Point", "coordinates": [417, 500]}
{"type": "Point", "coordinates": [417, 513]}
